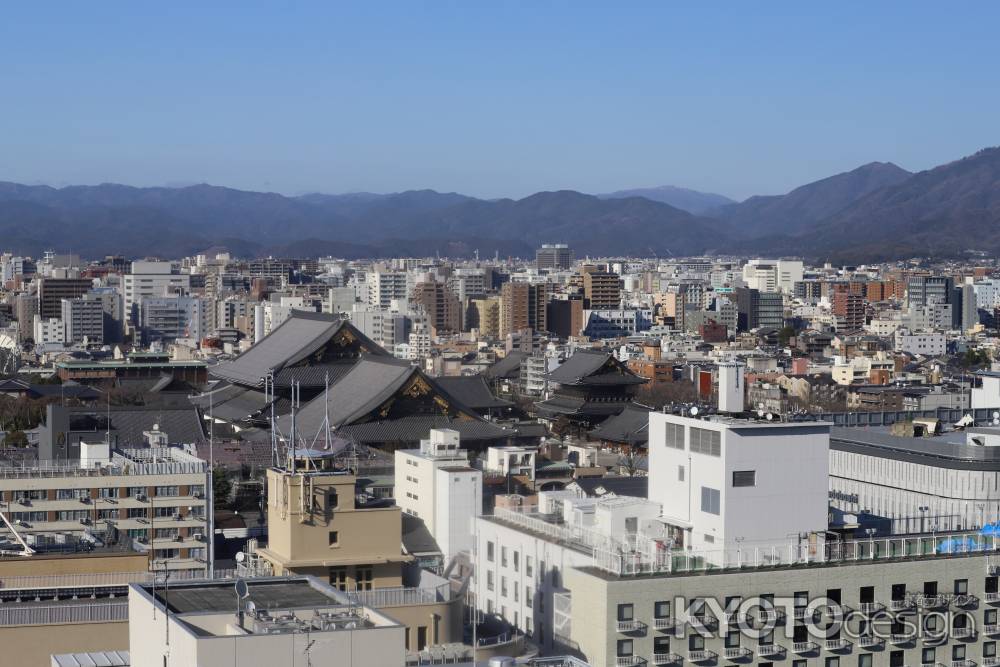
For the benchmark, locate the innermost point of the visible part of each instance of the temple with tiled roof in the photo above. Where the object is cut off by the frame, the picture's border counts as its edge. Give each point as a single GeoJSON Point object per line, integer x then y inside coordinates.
{"type": "Point", "coordinates": [370, 397]}
{"type": "Point", "coordinates": [589, 387]}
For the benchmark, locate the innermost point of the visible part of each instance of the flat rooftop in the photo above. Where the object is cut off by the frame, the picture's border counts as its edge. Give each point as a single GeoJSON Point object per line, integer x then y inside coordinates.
{"type": "Point", "coordinates": [221, 596]}
{"type": "Point", "coordinates": [948, 450]}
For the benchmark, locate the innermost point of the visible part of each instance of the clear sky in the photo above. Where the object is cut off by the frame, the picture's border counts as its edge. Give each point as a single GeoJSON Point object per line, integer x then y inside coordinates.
{"type": "Point", "coordinates": [491, 99]}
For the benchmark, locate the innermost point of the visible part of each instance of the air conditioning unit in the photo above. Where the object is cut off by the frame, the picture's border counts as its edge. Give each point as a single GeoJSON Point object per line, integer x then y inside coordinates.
{"type": "Point", "coordinates": [197, 537]}
{"type": "Point", "coordinates": [141, 497]}
{"type": "Point", "coordinates": [177, 516]}
{"type": "Point", "coordinates": [85, 499]}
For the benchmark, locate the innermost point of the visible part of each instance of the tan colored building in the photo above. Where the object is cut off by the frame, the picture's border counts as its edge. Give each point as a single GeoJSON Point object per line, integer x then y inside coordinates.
{"type": "Point", "coordinates": [523, 306]}
{"type": "Point", "coordinates": [441, 305]}
{"type": "Point", "coordinates": [484, 314]}
{"type": "Point", "coordinates": [602, 291]}
{"type": "Point", "coordinates": [65, 603]}
{"type": "Point", "coordinates": [316, 526]}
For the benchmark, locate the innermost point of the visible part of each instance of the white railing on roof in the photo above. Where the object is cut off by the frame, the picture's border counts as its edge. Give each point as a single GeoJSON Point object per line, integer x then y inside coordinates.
{"type": "Point", "coordinates": [400, 596]}
{"type": "Point", "coordinates": [61, 614]}
{"type": "Point", "coordinates": [578, 536]}
{"type": "Point", "coordinates": [636, 555]}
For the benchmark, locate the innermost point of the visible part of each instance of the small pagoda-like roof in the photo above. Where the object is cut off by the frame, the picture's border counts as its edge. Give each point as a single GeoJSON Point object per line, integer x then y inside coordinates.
{"type": "Point", "coordinates": [593, 368]}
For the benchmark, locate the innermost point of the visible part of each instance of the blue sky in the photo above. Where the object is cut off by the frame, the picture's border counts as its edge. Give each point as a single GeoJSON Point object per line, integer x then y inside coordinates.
{"type": "Point", "coordinates": [491, 99]}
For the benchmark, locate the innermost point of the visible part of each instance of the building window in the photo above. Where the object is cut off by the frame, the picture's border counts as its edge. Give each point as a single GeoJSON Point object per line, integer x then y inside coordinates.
{"type": "Point", "coordinates": [744, 478]}
{"type": "Point", "coordinates": [710, 501]}
{"type": "Point", "coordinates": [989, 649]}
{"type": "Point", "coordinates": [958, 652]}
{"type": "Point", "coordinates": [72, 494]}
{"type": "Point", "coordinates": [865, 660]}
{"type": "Point", "coordinates": [503, 556]}
{"type": "Point", "coordinates": [624, 648]}
{"type": "Point", "coordinates": [489, 552]}
{"type": "Point", "coordinates": [704, 441]}
{"type": "Point", "coordinates": [489, 580]}
{"type": "Point", "coordinates": [661, 609]}
{"type": "Point", "coordinates": [696, 643]}
{"type": "Point", "coordinates": [674, 436]}
{"type": "Point", "coordinates": [961, 586]}
{"type": "Point", "coordinates": [625, 612]}
{"type": "Point", "coordinates": [363, 578]}
{"type": "Point", "coordinates": [680, 473]}
{"type": "Point", "coordinates": [927, 656]}
{"type": "Point", "coordinates": [74, 515]}
{"type": "Point", "coordinates": [107, 492]}
{"type": "Point", "coordinates": [30, 517]}
{"type": "Point", "coordinates": [832, 661]}
{"type": "Point", "coordinates": [332, 500]}
{"type": "Point", "coordinates": [334, 538]}
{"type": "Point", "coordinates": [527, 566]}
{"type": "Point", "coordinates": [167, 491]}
{"type": "Point", "coordinates": [338, 578]}
{"type": "Point", "coordinates": [733, 639]}
{"type": "Point", "coordinates": [661, 645]}
{"type": "Point", "coordinates": [134, 491]}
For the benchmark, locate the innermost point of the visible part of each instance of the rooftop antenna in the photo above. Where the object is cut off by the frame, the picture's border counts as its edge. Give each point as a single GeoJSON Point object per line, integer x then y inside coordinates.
{"type": "Point", "coordinates": [292, 431]}
{"type": "Point", "coordinates": [326, 408]}
{"type": "Point", "coordinates": [269, 381]}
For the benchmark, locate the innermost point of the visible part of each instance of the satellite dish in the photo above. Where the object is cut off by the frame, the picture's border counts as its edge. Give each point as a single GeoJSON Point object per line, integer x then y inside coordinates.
{"type": "Point", "coordinates": [242, 590]}
{"type": "Point", "coordinates": [694, 410]}
{"type": "Point", "coordinates": [769, 416]}
{"type": "Point", "coordinates": [250, 607]}
{"type": "Point", "coordinates": [240, 556]}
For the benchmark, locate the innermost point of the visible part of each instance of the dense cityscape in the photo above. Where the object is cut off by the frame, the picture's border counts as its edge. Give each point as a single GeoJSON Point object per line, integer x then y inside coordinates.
{"type": "Point", "coordinates": [450, 461]}
{"type": "Point", "coordinates": [500, 334]}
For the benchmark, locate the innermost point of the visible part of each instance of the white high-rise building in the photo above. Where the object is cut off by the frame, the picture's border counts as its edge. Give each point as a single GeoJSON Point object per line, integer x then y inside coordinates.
{"type": "Point", "coordinates": [772, 275]}
{"type": "Point", "coordinates": [436, 484]}
{"type": "Point", "coordinates": [150, 279]}
{"type": "Point", "coordinates": [724, 482]}
{"type": "Point", "coordinates": [384, 286]}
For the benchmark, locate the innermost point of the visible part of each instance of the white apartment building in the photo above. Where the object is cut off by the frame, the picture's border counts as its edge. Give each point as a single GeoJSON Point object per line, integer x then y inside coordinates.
{"type": "Point", "coordinates": [927, 343]}
{"type": "Point", "coordinates": [772, 275]}
{"type": "Point", "coordinates": [511, 460]}
{"type": "Point", "coordinates": [150, 279]}
{"type": "Point", "coordinates": [48, 330]}
{"type": "Point", "coordinates": [522, 556]}
{"type": "Point", "coordinates": [436, 484]}
{"type": "Point", "coordinates": [384, 286]}
{"type": "Point", "coordinates": [859, 369]}
{"type": "Point", "coordinates": [387, 328]}
{"type": "Point", "coordinates": [723, 482]}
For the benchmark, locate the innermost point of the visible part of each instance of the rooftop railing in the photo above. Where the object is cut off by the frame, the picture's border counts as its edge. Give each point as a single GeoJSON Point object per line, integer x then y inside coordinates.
{"type": "Point", "coordinates": [62, 614]}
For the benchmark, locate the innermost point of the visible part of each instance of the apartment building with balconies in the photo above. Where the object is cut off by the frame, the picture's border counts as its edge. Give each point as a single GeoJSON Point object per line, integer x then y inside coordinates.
{"type": "Point", "coordinates": [153, 497]}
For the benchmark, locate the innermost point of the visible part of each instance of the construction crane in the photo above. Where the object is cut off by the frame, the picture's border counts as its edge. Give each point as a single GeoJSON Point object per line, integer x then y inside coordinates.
{"type": "Point", "coordinates": [25, 549]}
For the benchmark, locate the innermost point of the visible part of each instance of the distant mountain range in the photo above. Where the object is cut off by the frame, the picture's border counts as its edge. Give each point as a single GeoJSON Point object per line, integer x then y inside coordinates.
{"type": "Point", "coordinates": [691, 201]}
{"type": "Point", "coordinates": [878, 211]}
